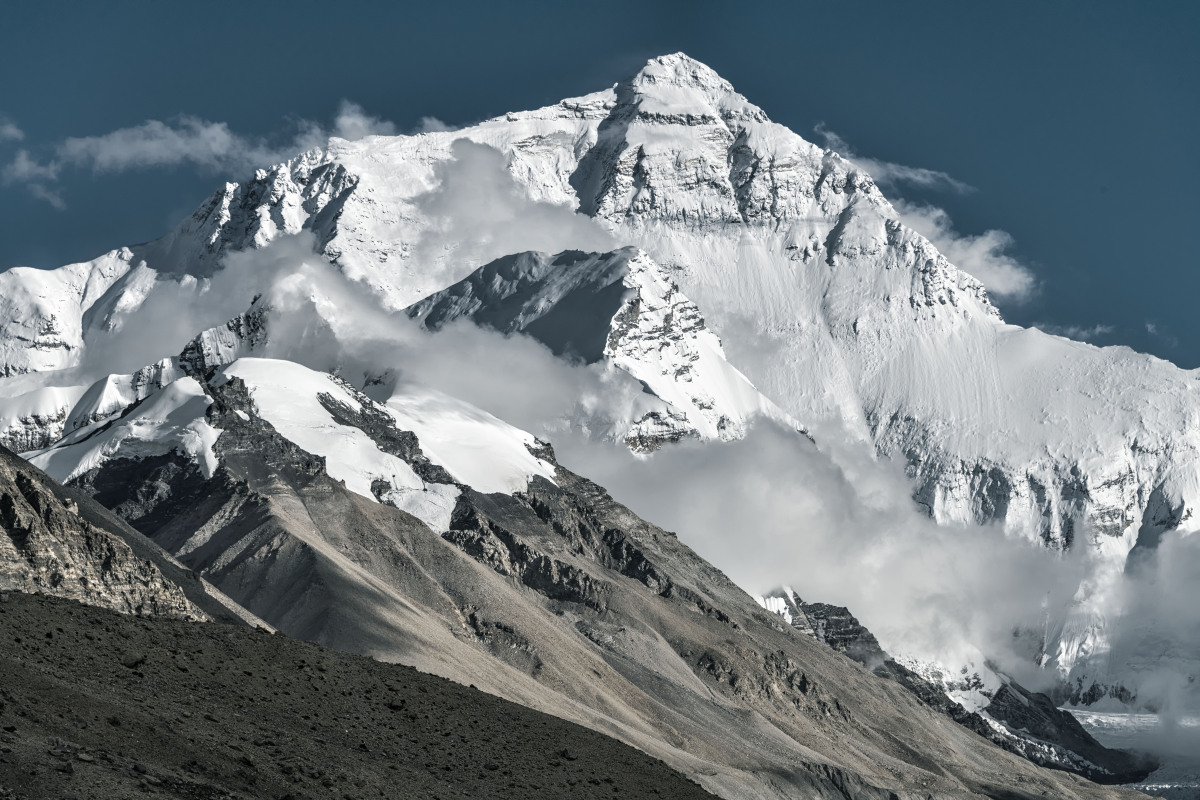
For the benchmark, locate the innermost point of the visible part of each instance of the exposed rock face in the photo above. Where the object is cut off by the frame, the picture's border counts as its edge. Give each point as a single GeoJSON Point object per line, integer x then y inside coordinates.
{"type": "Point", "coordinates": [34, 431]}
{"type": "Point", "coordinates": [226, 343]}
{"type": "Point", "coordinates": [624, 308]}
{"type": "Point", "coordinates": [47, 547]}
{"type": "Point", "coordinates": [1022, 722]}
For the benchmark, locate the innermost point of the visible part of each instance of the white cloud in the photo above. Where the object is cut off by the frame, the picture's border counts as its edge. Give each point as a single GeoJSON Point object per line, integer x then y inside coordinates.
{"type": "Point", "coordinates": [1162, 334]}
{"type": "Point", "coordinates": [352, 123]}
{"type": "Point", "coordinates": [432, 125]}
{"type": "Point", "coordinates": [35, 176]}
{"type": "Point", "coordinates": [839, 526]}
{"type": "Point", "coordinates": [478, 212]}
{"type": "Point", "coordinates": [984, 256]}
{"type": "Point", "coordinates": [49, 195]}
{"type": "Point", "coordinates": [888, 173]}
{"type": "Point", "coordinates": [24, 169]}
{"type": "Point", "coordinates": [187, 140]}
{"type": "Point", "coordinates": [9, 131]}
{"type": "Point", "coordinates": [1078, 332]}
{"type": "Point", "coordinates": [154, 144]}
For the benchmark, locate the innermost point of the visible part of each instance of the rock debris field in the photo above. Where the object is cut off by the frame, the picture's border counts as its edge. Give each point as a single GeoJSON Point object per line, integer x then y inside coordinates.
{"type": "Point", "coordinates": [98, 705]}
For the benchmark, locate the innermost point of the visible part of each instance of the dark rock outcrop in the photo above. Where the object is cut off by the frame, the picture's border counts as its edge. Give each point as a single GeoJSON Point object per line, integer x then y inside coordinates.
{"type": "Point", "coordinates": [1025, 723]}
{"type": "Point", "coordinates": [49, 545]}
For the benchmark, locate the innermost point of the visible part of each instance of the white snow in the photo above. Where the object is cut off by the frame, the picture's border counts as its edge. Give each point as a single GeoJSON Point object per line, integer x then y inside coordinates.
{"type": "Point", "coordinates": [171, 419]}
{"type": "Point", "coordinates": [669, 348]}
{"type": "Point", "coordinates": [475, 447]}
{"type": "Point", "coordinates": [25, 415]}
{"type": "Point", "coordinates": [115, 393]}
{"type": "Point", "coordinates": [286, 394]}
{"type": "Point", "coordinates": [777, 605]}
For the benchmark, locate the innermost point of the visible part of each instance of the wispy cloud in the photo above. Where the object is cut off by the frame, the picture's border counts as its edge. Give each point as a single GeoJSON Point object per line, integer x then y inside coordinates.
{"type": "Point", "coordinates": [352, 123]}
{"type": "Point", "coordinates": [984, 256]}
{"type": "Point", "coordinates": [1162, 334]}
{"type": "Point", "coordinates": [432, 125]}
{"type": "Point", "coordinates": [187, 140]}
{"type": "Point", "coordinates": [1077, 332]}
{"type": "Point", "coordinates": [9, 132]}
{"type": "Point", "coordinates": [51, 196]}
{"type": "Point", "coordinates": [24, 169]}
{"type": "Point", "coordinates": [888, 173]}
{"type": "Point", "coordinates": [153, 144]}
{"type": "Point", "coordinates": [36, 177]}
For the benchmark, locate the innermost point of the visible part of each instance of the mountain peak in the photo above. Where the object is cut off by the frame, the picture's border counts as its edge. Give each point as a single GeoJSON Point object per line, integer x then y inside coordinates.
{"type": "Point", "coordinates": [680, 69]}
{"type": "Point", "coordinates": [678, 85]}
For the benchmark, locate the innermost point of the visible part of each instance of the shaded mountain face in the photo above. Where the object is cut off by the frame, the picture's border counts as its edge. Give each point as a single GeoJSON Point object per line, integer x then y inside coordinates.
{"type": "Point", "coordinates": [314, 508]}
{"type": "Point", "coordinates": [59, 542]}
{"type": "Point", "coordinates": [625, 309]}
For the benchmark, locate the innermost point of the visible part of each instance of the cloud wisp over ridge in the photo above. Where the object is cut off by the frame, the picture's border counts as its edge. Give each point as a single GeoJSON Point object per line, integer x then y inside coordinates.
{"type": "Point", "coordinates": [986, 256]}
{"type": "Point", "coordinates": [891, 174]}
{"type": "Point", "coordinates": [1080, 333]}
{"type": "Point", "coordinates": [186, 140]}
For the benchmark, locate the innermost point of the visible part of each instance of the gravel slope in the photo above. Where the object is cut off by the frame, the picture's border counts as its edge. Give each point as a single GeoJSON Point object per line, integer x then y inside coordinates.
{"type": "Point", "coordinates": [94, 704]}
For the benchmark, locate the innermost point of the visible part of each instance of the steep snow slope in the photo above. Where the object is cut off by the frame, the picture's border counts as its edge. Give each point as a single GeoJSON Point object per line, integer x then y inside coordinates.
{"type": "Point", "coordinates": [358, 442]}
{"type": "Point", "coordinates": [622, 307]}
{"type": "Point", "coordinates": [171, 420]}
{"type": "Point", "coordinates": [474, 447]}
{"type": "Point", "coordinates": [827, 303]}
{"type": "Point", "coordinates": [35, 419]}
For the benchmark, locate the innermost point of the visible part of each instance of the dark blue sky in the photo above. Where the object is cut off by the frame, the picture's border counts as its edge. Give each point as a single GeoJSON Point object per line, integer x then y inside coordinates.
{"type": "Point", "coordinates": [1075, 122]}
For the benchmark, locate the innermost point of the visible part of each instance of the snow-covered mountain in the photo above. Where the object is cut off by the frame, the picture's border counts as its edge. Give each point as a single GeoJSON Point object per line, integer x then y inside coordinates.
{"type": "Point", "coordinates": [823, 300]}
{"type": "Point", "coordinates": [621, 307]}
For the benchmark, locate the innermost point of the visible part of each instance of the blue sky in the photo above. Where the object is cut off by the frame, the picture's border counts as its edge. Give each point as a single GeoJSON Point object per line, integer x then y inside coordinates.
{"type": "Point", "coordinates": [1073, 124]}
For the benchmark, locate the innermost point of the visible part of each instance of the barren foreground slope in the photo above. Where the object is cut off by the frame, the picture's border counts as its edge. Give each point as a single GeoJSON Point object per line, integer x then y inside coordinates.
{"type": "Point", "coordinates": [94, 704]}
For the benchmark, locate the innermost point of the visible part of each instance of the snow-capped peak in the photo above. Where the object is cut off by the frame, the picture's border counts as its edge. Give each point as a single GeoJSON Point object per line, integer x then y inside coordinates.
{"type": "Point", "coordinates": [678, 86]}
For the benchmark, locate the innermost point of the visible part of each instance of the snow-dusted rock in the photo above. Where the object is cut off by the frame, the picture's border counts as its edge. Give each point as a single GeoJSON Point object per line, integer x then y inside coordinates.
{"type": "Point", "coordinates": [623, 308]}
{"type": "Point", "coordinates": [36, 419]}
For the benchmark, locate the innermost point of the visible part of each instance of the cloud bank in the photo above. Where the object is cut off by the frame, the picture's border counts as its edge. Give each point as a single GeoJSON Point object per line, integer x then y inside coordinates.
{"type": "Point", "coordinates": [828, 519]}
{"type": "Point", "coordinates": [477, 212]}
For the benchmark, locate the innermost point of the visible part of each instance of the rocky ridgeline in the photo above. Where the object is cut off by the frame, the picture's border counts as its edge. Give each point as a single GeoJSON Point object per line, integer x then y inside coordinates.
{"type": "Point", "coordinates": [48, 548]}
{"type": "Point", "coordinates": [1026, 723]}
